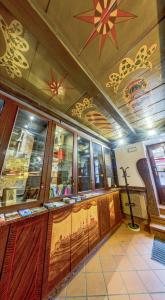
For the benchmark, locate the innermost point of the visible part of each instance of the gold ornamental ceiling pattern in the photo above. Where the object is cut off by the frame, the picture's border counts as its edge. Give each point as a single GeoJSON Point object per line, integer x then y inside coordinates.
{"type": "Point", "coordinates": [121, 50]}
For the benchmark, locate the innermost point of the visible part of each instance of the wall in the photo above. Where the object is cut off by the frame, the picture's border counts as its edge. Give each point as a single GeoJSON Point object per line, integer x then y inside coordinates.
{"type": "Point", "coordinates": [127, 156]}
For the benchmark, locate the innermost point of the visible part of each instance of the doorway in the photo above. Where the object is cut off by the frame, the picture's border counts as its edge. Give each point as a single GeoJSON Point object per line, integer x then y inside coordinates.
{"type": "Point", "coordinates": [157, 160]}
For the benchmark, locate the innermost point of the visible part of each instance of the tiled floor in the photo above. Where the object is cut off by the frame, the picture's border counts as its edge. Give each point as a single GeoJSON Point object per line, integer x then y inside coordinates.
{"type": "Point", "coordinates": [120, 270]}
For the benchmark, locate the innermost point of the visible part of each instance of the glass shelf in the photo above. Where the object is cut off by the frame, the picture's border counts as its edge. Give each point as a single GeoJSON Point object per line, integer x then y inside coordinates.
{"type": "Point", "coordinates": [62, 173]}
{"type": "Point", "coordinates": [84, 165]}
{"type": "Point", "coordinates": [22, 168]}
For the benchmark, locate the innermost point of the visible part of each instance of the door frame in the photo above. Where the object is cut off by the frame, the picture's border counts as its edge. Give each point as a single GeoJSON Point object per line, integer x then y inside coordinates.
{"type": "Point", "coordinates": [157, 185]}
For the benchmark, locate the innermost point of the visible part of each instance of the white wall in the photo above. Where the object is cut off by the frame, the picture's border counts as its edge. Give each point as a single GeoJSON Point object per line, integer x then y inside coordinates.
{"type": "Point", "coordinates": [127, 156]}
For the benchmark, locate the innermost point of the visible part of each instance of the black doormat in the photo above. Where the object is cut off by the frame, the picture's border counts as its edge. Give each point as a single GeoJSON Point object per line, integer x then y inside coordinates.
{"type": "Point", "coordinates": [158, 250]}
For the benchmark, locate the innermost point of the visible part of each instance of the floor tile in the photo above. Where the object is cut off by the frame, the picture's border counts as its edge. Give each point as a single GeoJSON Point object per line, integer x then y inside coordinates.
{"type": "Point", "coordinates": [62, 293]}
{"type": "Point", "coordinates": [123, 263]}
{"type": "Point", "coordinates": [95, 284]}
{"type": "Point", "coordinates": [129, 249]}
{"type": "Point", "coordinates": [122, 269]}
{"type": "Point", "coordinates": [57, 298]}
{"type": "Point", "coordinates": [77, 287]}
{"type": "Point", "coordinates": [93, 265]}
{"type": "Point", "coordinates": [143, 249]}
{"type": "Point", "coordinates": [133, 282]}
{"type": "Point", "coordinates": [151, 281]}
{"type": "Point", "coordinates": [76, 298]}
{"type": "Point", "coordinates": [105, 251]}
{"type": "Point", "coordinates": [117, 250]}
{"type": "Point", "coordinates": [161, 275]}
{"type": "Point", "coordinates": [138, 262]}
{"type": "Point", "coordinates": [140, 297]}
{"type": "Point", "coordinates": [108, 263]}
{"type": "Point", "coordinates": [119, 297]}
{"type": "Point", "coordinates": [158, 296]}
{"type": "Point", "coordinates": [153, 265]}
{"type": "Point", "coordinates": [114, 283]}
{"type": "Point", "coordinates": [98, 298]}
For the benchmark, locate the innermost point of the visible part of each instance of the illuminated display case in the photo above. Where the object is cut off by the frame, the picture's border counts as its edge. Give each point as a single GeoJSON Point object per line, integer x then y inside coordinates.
{"type": "Point", "coordinates": [83, 164]}
{"type": "Point", "coordinates": [62, 164]}
{"type": "Point", "coordinates": [20, 177]}
{"type": "Point", "coordinates": [41, 161]}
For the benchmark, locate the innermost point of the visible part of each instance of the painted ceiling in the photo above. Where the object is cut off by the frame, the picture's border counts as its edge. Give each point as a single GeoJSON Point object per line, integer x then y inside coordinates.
{"type": "Point", "coordinates": [100, 62]}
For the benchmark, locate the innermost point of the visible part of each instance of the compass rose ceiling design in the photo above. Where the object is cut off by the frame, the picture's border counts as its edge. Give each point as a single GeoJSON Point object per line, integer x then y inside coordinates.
{"type": "Point", "coordinates": [119, 93]}
{"type": "Point", "coordinates": [104, 19]}
{"type": "Point", "coordinates": [57, 87]}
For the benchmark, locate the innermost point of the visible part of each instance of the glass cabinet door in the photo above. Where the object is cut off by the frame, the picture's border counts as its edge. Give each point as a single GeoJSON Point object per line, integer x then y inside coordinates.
{"type": "Point", "coordinates": [1, 105]}
{"type": "Point", "coordinates": [98, 166]}
{"type": "Point", "coordinates": [84, 165]}
{"type": "Point", "coordinates": [20, 178]}
{"type": "Point", "coordinates": [62, 164]}
{"type": "Point", "coordinates": [108, 167]}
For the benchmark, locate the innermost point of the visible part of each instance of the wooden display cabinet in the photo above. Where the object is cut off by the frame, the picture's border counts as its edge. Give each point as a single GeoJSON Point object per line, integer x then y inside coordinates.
{"type": "Point", "coordinates": [117, 206]}
{"type": "Point", "coordinates": [4, 231]}
{"type": "Point", "coordinates": [79, 235]}
{"type": "Point", "coordinates": [111, 205]}
{"type": "Point", "coordinates": [38, 252]}
{"type": "Point", "coordinates": [104, 218]}
{"type": "Point", "coordinates": [24, 145]}
{"type": "Point", "coordinates": [93, 223]}
{"type": "Point", "coordinates": [23, 259]}
{"type": "Point", "coordinates": [115, 215]}
{"type": "Point", "coordinates": [58, 248]}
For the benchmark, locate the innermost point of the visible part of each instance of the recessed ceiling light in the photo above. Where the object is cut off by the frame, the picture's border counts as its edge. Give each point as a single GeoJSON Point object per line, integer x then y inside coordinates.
{"type": "Point", "coordinates": [121, 142]}
{"type": "Point", "coordinates": [151, 132]}
{"type": "Point", "coordinates": [31, 118]}
{"type": "Point", "coordinates": [120, 134]}
{"type": "Point", "coordinates": [149, 123]}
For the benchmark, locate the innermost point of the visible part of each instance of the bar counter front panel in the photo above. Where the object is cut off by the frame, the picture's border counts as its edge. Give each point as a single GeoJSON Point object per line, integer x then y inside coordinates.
{"type": "Point", "coordinates": [39, 251]}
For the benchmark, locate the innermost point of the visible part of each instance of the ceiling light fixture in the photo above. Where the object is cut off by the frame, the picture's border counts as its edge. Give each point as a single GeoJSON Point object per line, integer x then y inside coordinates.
{"type": "Point", "coordinates": [149, 123]}
{"type": "Point", "coordinates": [152, 132]}
{"type": "Point", "coordinates": [120, 134]}
{"type": "Point", "coordinates": [121, 142]}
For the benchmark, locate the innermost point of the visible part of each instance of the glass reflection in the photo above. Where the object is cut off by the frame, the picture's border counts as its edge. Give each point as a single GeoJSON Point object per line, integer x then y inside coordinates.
{"type": "Point", "coordinates": [62, 164]}
{"type": "Point", "coordinates": [108, 167]}
{"type": "Point", "coordinates": [84, 165]}
{"type": "Point", "coordinates": [22, 169]}
{"type": "Point", "coordinates": [98, 166]}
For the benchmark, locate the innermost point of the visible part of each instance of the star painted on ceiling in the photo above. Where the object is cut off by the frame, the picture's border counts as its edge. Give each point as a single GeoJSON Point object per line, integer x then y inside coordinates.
{"type": "Point", "coordinates": [105, 17]}
{"type": "Point", "coordinates": [56, 87]}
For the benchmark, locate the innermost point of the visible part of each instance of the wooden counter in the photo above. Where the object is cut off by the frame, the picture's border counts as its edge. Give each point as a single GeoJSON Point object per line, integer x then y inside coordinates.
{"type": "Point", "coordinates": [36, 253]}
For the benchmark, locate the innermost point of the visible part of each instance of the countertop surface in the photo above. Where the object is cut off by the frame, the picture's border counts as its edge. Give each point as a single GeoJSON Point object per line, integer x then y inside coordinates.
{"type": "Point", "coordinates": [22, 214]}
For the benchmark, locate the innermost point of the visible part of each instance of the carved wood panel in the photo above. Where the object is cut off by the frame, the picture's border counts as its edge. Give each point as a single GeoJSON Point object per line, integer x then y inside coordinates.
{"type": "Point", "coordinates": [93, 224]}
{"type": "Point", "coordinates": [117, 206]}
{"type": "Point", "coordinates": [24, 258]}
{"type": "Point", "coordinates": [112, 213]}
{"type": "Point", "coordinates": [79, 236]}
{"type": "Point", "coordinates": [104, 218]}
{"type": "Point", "coordinates": [57, 260]}
{"type": "Point", "coordinates": [4, 230]}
